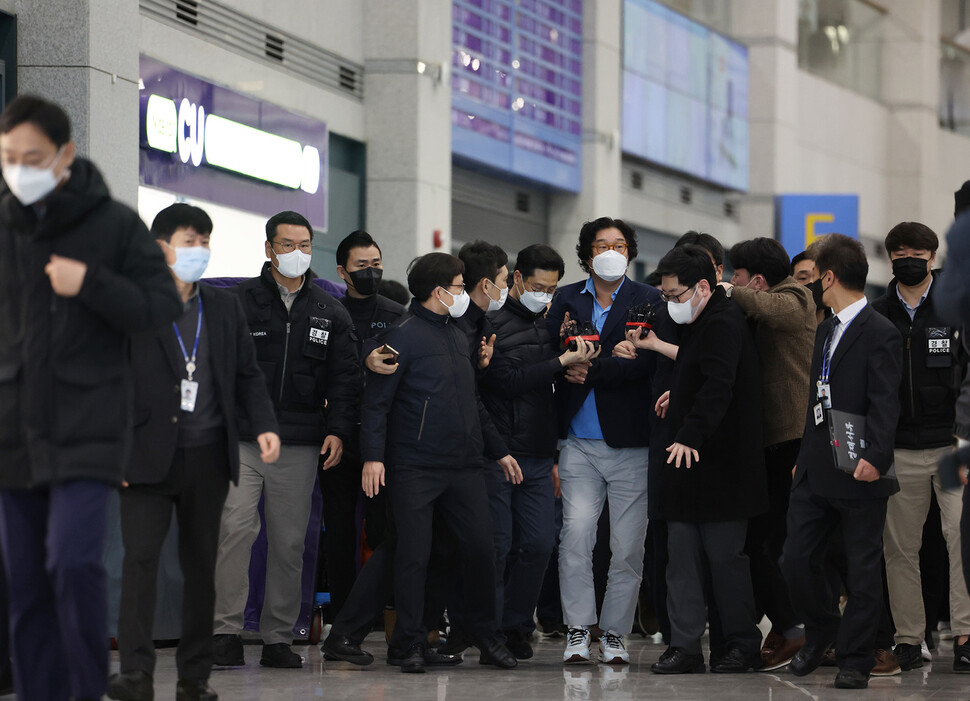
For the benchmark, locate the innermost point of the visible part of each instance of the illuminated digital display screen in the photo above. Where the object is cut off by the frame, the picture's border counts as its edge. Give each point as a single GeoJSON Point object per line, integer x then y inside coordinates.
{"type": "Point", "coordinates": [685, 95]}
{"type": "Point", "coordinates": [517, 87]}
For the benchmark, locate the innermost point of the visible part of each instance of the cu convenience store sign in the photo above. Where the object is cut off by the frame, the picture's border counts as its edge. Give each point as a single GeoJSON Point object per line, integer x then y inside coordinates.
{"type": "Point", "coordinates": [206, 141]}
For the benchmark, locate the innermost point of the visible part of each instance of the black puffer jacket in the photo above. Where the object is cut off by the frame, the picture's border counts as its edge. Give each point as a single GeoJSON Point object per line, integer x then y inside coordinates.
{"type": "Point", "coordinates": [427, 413]}
{"type": "Point", "coordinates": [931, 380]}
{"type": "Point", "coordinates": [65, 393]}
{"type": "Point", "coordinates": [516, 387]}
{"type": "Point", "coordinates": [303, 370]}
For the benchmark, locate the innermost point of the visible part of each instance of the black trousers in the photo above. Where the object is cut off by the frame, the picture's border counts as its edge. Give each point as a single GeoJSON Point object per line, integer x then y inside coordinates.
{"type": "Point", "coordinates": [340, 488]}
{"type": "Point", "coordinates": [714, 548]}
{"type": "Point", "coordinates": [766, 540]}
{"type": "Point", "coordinates": [373, 589]}
{"type": "Point", "coordinates": [196, 488]}
{"type": "Point", "coordinates": [811, 521]}
{"type": "Point", "coordinates": [460, 496]}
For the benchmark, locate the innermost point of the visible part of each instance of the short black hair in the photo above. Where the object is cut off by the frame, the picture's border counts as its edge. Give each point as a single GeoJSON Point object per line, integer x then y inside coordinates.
{"type": "Point", "coordinates": [178, 216]}
{"type": "Point", "coordinates": [912, 234]}
{"type": "Point", "coordinates": [761, 255]}
{"type": "Point", "coordinates": [431, 271]}
{"type": "Point", "coordinates": [846, 258]}
{"type": "Point", "coordinates": [584, 249]}
{"type": "Point", "coordinates": [690, 263]}
{"type": "Point", "coordinates": [710, 244]}
{"type": "Point", "coordinates": [482, 260]}
{"type": "Point", "coordinates": [47, 116]}
{"type": "Point", "coordinates": [286, 217]}
{"type": "Point", "coordinates": [355, 239]}
{"type": "Point", "coordinates": [799, 257]}
{"type": "Point", "coordinates": [961, 199]}
{"type": "Point", "coordinates": [539, 256]}
{"type": "Point", "coordinates": [394, 291]}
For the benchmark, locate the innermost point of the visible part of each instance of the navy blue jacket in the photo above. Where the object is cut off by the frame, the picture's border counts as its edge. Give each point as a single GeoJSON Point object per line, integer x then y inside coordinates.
{"type": "Point", "coordinates": [623, 386]}
{"type": "Point", "coordinates": [428, 412]}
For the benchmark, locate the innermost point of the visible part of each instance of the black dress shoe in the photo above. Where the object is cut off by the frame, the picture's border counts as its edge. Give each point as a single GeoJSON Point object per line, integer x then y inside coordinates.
{"type": "Point", "coordinates": [737, 661]}
{"type": "Point", "coordinates": [227, 651]}
{"type": "Point", "coordinates": [339, 647]}
{"type": "Point", "coordinates": [131, 686]}
{"type": "Point", "coordinates": [678, 661]}
{"type": "Point", "coordinates": [807, 659]}
{"type": "Point", "coordinates": [280, 656]}
{"type": "Point", "coordinates": [493, 652]}
{"type": "Point", "coordinates": [194, 690]}
{"type": "Point", "coordinates": [518, 645]}
{"type": "Point", "coordinates": [851, 679]}
{"type": "Point", "coordinates": [410, 660]}
{"type": "Point", "coordinates": [456, 644]}
{"type": "Point", "coordinates": [435, 658]}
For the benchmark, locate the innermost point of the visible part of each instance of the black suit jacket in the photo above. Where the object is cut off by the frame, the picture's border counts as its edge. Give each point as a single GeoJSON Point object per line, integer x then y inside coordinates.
{"type": "Point", "coordinates": [623, 389]}
{"type": "Point", "coordinates": [865, 376]}
{"type": "Point", "coordinates": [156, 361]}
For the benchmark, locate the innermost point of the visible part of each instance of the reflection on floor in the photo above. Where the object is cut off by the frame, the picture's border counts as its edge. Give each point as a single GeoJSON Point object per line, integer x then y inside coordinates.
{"type": "Point", "coordinates": [544, 677]}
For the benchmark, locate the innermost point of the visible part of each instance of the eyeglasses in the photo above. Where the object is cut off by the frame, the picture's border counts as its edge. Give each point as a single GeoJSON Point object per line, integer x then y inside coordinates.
{"type": "Point", "coordinates": [604, 247]}
{"type": "Point", "coordinates": [288, 246]}
{"type": "Point", "coordinates": [675, 298]}
{"type": "Point", "coordinates": [460, 284]}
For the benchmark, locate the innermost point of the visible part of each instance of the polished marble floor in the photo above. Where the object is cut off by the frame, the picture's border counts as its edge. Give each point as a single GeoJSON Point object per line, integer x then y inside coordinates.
{"type": "Point", "coordinates": [544, 677]}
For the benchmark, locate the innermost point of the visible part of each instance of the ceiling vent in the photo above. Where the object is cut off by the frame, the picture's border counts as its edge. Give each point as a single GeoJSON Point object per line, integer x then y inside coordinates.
{"type": "Point", "coordinates": [225, 26]}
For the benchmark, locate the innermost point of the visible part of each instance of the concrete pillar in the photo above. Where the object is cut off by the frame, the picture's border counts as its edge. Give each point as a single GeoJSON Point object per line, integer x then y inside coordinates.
{"type": "Point", "coordinates": [770, 29]}
{"type": "Point", "coordinates": [911, 88]}
{"type": "Point", "coordinates": [602, 106]}
{"type": "Point", "coordinates": [408, 126]}
{"type": "Point", "coordinates": [83, 54]}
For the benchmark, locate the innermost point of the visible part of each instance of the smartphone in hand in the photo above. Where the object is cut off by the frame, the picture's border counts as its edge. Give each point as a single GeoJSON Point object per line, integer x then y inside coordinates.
{"type": "Point", "coordinates": [385, 349]}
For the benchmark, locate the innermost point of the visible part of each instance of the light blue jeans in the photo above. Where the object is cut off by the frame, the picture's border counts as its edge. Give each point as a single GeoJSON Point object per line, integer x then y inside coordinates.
{"type": "Point", "coordinates": [592, 473]}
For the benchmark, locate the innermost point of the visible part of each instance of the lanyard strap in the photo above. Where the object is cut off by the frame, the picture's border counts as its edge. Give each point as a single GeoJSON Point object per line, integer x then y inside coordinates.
{"type": "Point", "coordinates": [826, 356]}
{"type": "Point", "coordinates": [190, 362]}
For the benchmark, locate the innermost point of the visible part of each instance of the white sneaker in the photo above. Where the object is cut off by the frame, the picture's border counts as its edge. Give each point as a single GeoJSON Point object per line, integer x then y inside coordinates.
{"type": "Point", "coordinates": [613, 649]}
{"type": "Point", "coordinates": [577, 646]}
{"type": "Point", "coordinates": [925, 652]}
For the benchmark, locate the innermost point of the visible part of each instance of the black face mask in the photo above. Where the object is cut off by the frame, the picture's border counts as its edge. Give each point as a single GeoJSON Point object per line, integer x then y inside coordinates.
{"type": "Point", "coordinates": [910, 271]}
{"type": "Point", "coordinates": [817, 291]}
{"type": "Point", "coordinates": [366, 281]}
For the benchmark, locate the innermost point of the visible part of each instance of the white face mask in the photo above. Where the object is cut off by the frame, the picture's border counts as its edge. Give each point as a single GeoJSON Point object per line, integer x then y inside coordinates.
{"type": "Point", "coordinates": [190, 262]}
{"type": "Point", "coordinates": [535, 302]}
{"type": "Point", "coordinates": [503, 293]}
{"type": "Point", "coordinates": [459, 303]}
{"type": "Point", "coordinates": [610, 265]}
{"type": "Point", "coordinates": [293, 264]}
{"type": "Point", "coordinates": [682, 312]}
{"type": "Point", "coordinates": [30, 184]}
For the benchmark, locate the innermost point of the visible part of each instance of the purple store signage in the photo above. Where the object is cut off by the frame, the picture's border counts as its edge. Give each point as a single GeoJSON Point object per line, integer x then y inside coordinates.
{"type": "Point", "coordinates": [206, 141]}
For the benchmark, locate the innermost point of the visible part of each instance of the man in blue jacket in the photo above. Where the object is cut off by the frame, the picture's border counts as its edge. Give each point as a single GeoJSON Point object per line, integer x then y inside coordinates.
{"type": "Point", "coordinates": [424, 422]}
{"type": "Point", "coordinates": [605, 452]}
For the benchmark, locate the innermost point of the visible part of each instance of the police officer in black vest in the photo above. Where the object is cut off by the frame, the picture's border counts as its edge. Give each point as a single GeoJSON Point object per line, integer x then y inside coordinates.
{"type": "Point", "coordinates": [305, 347]}
{"type": "Point", "coordinates": [360, 265]}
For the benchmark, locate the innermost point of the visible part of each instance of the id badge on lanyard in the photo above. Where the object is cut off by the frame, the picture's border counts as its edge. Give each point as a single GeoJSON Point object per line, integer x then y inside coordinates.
{"type": "Point", "coordinates": [189, 391]}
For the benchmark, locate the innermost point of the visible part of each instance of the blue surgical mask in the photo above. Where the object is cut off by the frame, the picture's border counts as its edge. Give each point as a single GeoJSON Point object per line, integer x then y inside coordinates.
{"type": "Point", "coordinates": [190, 262]}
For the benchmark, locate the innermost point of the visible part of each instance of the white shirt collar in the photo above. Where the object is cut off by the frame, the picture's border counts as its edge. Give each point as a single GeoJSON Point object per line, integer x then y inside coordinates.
{"type": "Point", "coordinates": [851, 312]}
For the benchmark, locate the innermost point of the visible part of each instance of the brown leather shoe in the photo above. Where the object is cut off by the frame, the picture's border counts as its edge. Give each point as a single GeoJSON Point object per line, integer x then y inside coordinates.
{"type": "Point", "coordinates": [886, 664]}
{"type": "Point", "coordinates": [779, 650]}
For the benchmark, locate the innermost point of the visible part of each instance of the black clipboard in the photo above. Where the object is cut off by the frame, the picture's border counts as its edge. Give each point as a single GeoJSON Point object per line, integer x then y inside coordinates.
{"type": "Point", "coordinates": [847, 433]}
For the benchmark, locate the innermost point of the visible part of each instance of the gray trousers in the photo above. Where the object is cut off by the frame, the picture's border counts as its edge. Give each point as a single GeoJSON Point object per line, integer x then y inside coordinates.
{"type": "Point", "coordinates": [718, 548]}
{"type": "Point", "coordinates": [288, 488]}
{"type": "Point", "coordinates": [591, 473]}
